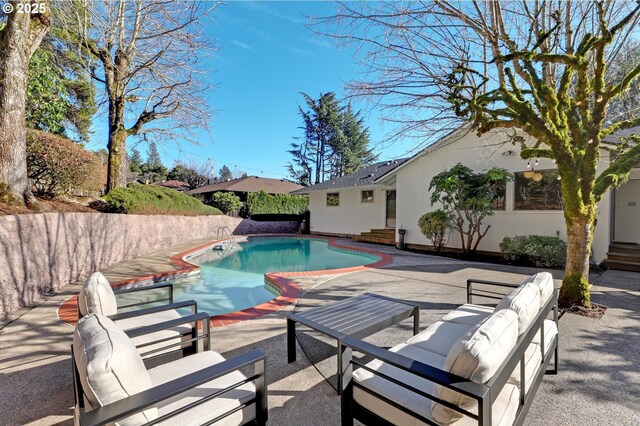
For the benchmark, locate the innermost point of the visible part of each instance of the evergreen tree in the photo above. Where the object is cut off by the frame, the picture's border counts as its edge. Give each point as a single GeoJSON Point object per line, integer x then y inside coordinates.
{"type": "Point", "coordinates": [335, 142]}
{"type": "Point", "coordinates": [352, 152]}
{"type": "Point", "coordinates": [60, 95]}
{"type": "Point", "coordinates": [135, 161]}
{"type": "Point", "coordinates": [153, 156]}
{"type": "Point", "coordinates": [225, 173]}
{"type": "Point", "coordinates": [153, 169]}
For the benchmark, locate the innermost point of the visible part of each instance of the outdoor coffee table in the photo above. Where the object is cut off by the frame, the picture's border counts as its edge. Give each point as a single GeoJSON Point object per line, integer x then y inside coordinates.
{"type": "Point", "coordinates": [358, 317]}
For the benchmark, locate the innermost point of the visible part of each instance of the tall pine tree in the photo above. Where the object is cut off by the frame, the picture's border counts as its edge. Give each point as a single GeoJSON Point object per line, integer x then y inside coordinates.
{"type": "Point", "coordinates": [335, 141]}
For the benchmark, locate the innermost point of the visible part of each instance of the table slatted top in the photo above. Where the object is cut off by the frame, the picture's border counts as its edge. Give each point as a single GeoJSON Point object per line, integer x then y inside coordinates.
{"type": "Point", "coordinates": [349, 316]}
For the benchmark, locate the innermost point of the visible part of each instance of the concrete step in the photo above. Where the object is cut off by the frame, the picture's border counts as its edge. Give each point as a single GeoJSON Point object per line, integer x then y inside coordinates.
{"type": "Point", "coordinates": [623, 266]}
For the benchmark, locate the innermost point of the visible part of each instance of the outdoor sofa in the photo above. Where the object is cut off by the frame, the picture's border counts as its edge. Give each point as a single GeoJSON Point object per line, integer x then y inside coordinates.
{"type": "Point", "coordinates": [97, 297]}
{"type": "Point", "coordinates": [112, 383]}
{"type": "Point", "coordinates": [478, 365]}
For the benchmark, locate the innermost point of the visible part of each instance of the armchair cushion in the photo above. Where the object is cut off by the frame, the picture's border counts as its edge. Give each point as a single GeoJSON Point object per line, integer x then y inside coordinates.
{"type": "Point", "coordinates": [167, 337]}
{"type": "Point", "coordinates": [524, 301]}
{"type": "Point", "coordinates": [209, 410]}
{"type": "Point", "coordinates": [109, 366]}
{"type": "Point", "coordinates": [97, 297]}
{"type": "Point", "coordinates": [477, 355]}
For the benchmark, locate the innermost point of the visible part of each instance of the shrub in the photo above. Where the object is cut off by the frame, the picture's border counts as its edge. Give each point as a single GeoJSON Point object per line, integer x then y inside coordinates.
{"type": "Point", "coordinates": [262, 203]}
{"type": "Point", "coordinates": [434, 225]}
{"type": "Point", "coordinates": [227, 202]}
{"type": "Point", "coordinates": [537, 250]}
{"type": "Point", "coordinates": [152, 199]}
{"type": "Point", "coordinates": [57, 165]}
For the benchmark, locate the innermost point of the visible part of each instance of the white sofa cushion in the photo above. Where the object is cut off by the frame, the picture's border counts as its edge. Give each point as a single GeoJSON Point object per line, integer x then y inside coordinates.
{"type": "Point", "coordinates": [97, 297]}
{"type": "Point", "coordinates": [207, 410]}
{"type": "Point", "coordinates": [468, 314]}
{"type": "Point", "coordinates": [109, 366]}
{"type": "Point", "coordinates": [477, 355]}
{"type": "Point", "coordinates": [439, 336]}
{"type": "Point", "coordinates": [524, 301]}
{"type": "Point", "coordinates": [503, 411]}
{"type": "Point", "coordinates": [405, 397]}
{"type": "Point", "coordinates": [544, 282]}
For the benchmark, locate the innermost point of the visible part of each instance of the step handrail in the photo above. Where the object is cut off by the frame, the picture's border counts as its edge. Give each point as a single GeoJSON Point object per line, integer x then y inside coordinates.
{"type": "Point", "coordinates": [225, 233]}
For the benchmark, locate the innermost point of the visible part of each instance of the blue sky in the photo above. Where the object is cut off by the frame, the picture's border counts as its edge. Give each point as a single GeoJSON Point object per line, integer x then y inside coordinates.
{"type": "Point", "coordinates": [266, 57]}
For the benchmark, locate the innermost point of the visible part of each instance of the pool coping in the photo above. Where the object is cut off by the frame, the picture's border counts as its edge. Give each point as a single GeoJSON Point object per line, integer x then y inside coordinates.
{"type": "Point", "coordinates": [284, 282]}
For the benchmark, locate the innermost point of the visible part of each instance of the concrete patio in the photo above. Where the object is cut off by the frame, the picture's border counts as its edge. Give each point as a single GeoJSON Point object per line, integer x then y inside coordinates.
{"type": "Point", "coordinates": [599, 380]}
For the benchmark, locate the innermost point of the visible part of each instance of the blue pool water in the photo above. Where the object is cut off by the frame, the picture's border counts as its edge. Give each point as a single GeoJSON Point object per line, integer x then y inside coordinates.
{"type": "Point", "coordinates": [234, 280]}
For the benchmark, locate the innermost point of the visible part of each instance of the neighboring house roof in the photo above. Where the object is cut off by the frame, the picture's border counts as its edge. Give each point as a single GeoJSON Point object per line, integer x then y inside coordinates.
{"type": "Point", "coordinates": [615, 138]}
{"type": "Point", "coordinates": [364, 177]}
{"type": "Point", "coordinates": [250, 184]}
{"type": "Point", "coordinates": [175, 184]}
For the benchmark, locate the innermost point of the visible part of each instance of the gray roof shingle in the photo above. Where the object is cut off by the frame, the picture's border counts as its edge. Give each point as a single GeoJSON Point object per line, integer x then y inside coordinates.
{"type": "Point", "coordinates": [364, 177]}
{"type": "Point", "coordinates": [622, 134]}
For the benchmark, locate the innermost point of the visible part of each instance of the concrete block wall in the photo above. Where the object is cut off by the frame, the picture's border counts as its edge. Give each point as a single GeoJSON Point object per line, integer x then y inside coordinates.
{"type": "Point", "coordinates": [40, 253]}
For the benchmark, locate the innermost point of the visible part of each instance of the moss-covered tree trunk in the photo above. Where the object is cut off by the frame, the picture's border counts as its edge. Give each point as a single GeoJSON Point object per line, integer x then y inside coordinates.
{"type": "Point", "coordinates": [117, 170]}
{"type": "Point", "coordinates": [575, 285]}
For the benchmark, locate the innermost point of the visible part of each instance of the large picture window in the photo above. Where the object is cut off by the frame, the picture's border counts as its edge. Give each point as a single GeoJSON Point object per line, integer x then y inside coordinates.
{"type": "Point", "coordinates": [538, 190]}
{"type": "Point", "coordinates": [333, 199]}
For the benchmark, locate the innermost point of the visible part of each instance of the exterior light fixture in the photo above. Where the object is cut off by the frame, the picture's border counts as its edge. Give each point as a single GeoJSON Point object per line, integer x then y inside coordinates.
{"type": "Point", "coordinates": [537, 161]}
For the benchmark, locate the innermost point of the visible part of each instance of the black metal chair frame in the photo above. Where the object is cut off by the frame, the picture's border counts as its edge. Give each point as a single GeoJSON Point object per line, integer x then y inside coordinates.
{"type": "Point", "coordinates": [151, 397]}
{"type": "Point", "coordinates": [484, 394]}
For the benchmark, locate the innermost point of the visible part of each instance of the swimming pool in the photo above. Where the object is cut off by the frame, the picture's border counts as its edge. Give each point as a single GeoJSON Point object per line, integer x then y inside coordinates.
{"type": "Point", "coordinates": [234, 280]}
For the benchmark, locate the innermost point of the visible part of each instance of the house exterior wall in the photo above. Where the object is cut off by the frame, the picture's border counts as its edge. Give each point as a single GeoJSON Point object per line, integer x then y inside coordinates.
{"type": "Point", "coordinates": [627, 211]}
{"type": "Point", "coordinates": [352, 216]}
{"type": "Point", "coordinates": [479, 154]}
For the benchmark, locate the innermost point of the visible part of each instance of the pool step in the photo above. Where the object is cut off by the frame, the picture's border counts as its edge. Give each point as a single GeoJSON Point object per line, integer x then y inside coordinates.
{"type": "Point", "coordinates": [377, 236]}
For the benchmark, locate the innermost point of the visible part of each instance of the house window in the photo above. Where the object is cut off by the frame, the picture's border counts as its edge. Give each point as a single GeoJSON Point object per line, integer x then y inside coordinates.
{"type": "Point", "coordinates": [367, 196]}
{"type": "Point", "coordinates": [538, 190]}
{"type": "Point", "coordinates": [333, 199]}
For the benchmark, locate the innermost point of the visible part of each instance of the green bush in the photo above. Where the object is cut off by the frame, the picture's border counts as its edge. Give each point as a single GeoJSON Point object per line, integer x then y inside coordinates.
{"type": "Point", "coordinates": [152, 199]}
{"type": "Point", "coordinates": [227, 202]}
{"type": "Point", "coordinates": [434, 225]}
{"type": "Point", "coordinates": [537, 250]}
{"type": "Point", "coordinates": [262, 203]}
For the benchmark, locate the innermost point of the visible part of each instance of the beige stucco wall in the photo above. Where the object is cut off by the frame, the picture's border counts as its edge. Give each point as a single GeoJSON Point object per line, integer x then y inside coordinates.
{"type": "Point", "coordinates": [627, 210]}
{"type": "Point", "coordinates": [482, 153]}
{"type": "Point", "coordinates": [352, 216]}
{"type": "Point", "coordinates": [44, 252]}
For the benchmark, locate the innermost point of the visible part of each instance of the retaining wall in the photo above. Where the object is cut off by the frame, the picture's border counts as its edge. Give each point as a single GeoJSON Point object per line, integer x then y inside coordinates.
{"type": "Point", "coordinates": [40, 253]}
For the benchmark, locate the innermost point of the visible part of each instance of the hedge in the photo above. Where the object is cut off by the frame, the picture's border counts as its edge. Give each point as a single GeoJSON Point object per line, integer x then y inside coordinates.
{"type": "Point", "coordinates": [56, 165]}
{"type": "Point", "coordinates": [537, 250]}
{"type": "Point", "coordinates": [153, 199]}
{"type": "Point", "coordinates": [262, 203]}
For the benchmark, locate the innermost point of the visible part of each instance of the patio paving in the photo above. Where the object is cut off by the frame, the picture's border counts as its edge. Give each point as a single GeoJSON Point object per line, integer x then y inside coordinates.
{"type": "Point", "coordinates": [599, 380]}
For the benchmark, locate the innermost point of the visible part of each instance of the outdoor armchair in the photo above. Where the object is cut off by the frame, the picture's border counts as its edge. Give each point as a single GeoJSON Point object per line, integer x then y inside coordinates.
{"type": "Point", "coordinates": [97, 297]}
{"type": "Point", "coordinates": [113, 384]}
